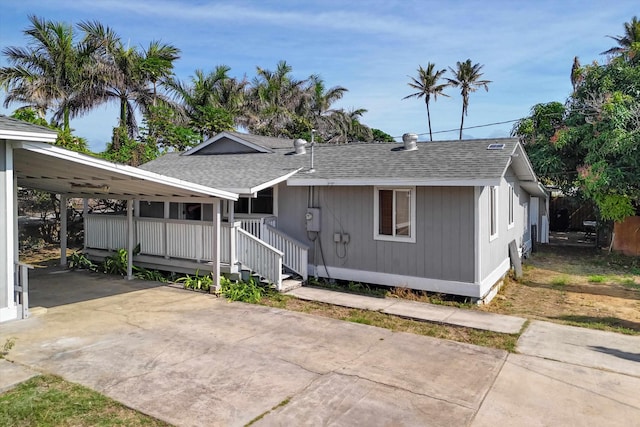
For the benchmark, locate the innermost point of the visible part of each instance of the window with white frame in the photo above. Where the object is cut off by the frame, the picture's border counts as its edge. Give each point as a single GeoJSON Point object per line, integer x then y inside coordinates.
{"type": "Point", "coordinates": [493, 212]}
{"type": "Point", "coordinates": [511, 207]}
{"type": "Point", "coordinates": [395, 214]}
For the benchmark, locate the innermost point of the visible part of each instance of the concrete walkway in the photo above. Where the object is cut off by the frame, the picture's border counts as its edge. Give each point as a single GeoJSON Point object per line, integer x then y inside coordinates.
{"type": "Point", "coordinates": [195, 360]}
{"type": "Point", "coordinates": [415, 310]}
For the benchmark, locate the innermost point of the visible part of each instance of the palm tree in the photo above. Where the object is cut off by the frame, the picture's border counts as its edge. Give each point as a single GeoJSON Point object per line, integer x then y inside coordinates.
{"type": "Point", "coordinates": [50, 73]}
{"type": "Point", "coordinates": [317, 105]}
{"type": "Point", "coordinates": [629, 43]}
{"type": "Point", "coordinates": [121, 77]}
{"type": "Point", "coordinates": [427, 85]}
{"type": "Point", "coordinates": [346, 127]}
{"type": "Point", "coordinates": [467, 77]}
{"type": "Point", "coordinates": [273, 99]}
{"type": "Point", "coordinates": [157, 63]}
{"type": "Point", "coordinates": [208, 98]}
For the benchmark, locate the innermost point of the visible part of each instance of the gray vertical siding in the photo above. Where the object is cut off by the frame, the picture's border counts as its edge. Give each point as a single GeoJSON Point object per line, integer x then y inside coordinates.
{"type": "Point", "coordinates": [494, 252]}
{"type": "Point", "coordinates": [444, 247]}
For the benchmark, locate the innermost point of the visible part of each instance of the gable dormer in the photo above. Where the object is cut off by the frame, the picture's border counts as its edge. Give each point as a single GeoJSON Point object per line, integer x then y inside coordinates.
{"type": "Point", "coordinates": [227, 143]}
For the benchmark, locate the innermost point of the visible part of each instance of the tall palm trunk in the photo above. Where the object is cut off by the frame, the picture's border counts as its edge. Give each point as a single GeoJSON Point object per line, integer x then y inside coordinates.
{"type": "Point", "coordinates": [123, 113]}
{"type": "Point", "coordinates": [462, 122]}
{"type": "Point", "coordinates": [426, 101]}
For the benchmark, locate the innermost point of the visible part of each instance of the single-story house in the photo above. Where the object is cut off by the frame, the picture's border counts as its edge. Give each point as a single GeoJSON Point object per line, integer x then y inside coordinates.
{"type": "Point", "coordinates": [434, 216]}
{"type": "Point", "coordinates": [28, 160]}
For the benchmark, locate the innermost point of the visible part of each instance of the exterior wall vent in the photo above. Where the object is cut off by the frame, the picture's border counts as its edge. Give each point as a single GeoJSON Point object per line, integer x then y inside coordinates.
{"type": "Point", "coordinates": [299, 146]}
{"type": "Point", "coordinates": [410, 141]}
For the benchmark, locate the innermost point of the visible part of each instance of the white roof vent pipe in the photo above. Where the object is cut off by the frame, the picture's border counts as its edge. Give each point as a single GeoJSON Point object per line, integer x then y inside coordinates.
{"type": "Point", "coordinates": [299, 146]}
{"type": "Point", "coordinates": [410, 141]}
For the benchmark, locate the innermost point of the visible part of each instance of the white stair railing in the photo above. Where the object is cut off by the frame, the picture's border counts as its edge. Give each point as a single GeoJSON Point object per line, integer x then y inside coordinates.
{"type": "Point", "coordinates": [259, 257]}
{"type": "Point", "coordinates": [295, 252]}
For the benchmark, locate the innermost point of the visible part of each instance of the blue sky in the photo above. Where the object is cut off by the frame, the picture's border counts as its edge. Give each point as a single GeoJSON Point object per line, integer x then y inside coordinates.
{"type": "Point", "coordinates": [369, 47]}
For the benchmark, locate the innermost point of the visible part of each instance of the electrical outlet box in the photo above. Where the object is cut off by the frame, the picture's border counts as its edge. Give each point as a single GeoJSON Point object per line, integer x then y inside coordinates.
{"type": "Point", "coordinates": [312, 218]}
{"type": "Point", "coordinates": [337, 237]}
{"type": "Point", "coordinates": [346, 238]}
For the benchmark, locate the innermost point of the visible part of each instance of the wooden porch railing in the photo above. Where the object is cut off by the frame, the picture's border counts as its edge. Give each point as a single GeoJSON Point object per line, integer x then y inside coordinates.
{"type": "Point", "coordinates": [188, 240]}
{"type": "Point", "coordinates": [295, 252]}
{"type": "Point", "coordinates": [260, 257]}
{"type": "Point", "coordinates": [255, 226]}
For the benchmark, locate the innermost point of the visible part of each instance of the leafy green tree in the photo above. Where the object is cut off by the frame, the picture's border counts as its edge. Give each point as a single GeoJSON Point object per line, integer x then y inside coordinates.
{"type": "Point", "coordinates": [162, 128]}
{"type": "Point", "coordinates": [467, 76]}
{"type": "Point", "coordinates": [65, 138]}
{"type": "Point", "coordinates": [592, 143]}
{"type": "Point", "coordinates": [126, 150]}
{"type": "Point", "coordinates": [381, 136]}
{"type": "Point", "coordinates": [427, 85]}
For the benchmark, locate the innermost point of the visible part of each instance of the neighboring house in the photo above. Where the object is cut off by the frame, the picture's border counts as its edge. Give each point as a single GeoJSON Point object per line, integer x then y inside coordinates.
{"type": "Point", "coordinates": [28, 160]}
{"type": "Point", "coordinates": [436, 216]}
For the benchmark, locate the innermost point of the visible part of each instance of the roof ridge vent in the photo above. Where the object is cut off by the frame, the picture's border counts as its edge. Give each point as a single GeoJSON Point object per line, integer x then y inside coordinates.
{"type": "Point", "coordinates": [410, 141]}
{"type": "Point", "coordinates": [299, 145]}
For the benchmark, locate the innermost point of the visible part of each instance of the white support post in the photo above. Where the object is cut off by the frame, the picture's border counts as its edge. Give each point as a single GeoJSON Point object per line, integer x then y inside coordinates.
{"type": "Point", "coordinates": [215, 249]}
{"type": "Point", "coordinates": [231, 211]}
{"type": "Point", "coordinates": [233, 246]}
{"type": "Point", "coordinates": [63, 230]}
{"type": "Point", "coordinates": [85, 212]}
{"type": "Point", "coordinates": [167, 214]}
{"type": "Point", "coordinates": [130, 239]}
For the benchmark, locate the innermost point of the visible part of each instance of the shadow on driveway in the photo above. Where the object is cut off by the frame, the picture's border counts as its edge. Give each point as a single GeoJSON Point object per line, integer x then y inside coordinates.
{"type": "Point", "coordinates": [56, 286]}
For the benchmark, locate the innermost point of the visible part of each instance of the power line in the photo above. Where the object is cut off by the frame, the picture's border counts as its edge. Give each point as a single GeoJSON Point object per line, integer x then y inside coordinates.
{"type": "Point", "coordinates": [465, 128]}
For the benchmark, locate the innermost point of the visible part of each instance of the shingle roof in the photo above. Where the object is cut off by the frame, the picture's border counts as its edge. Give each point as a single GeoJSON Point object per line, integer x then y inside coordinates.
{"type": "Point", "coordinates": [11, 124]}
{"type": "Point", "coordinates": [433, 162]}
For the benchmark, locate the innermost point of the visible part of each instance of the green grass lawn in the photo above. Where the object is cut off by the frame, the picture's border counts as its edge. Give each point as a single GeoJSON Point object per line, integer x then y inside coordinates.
{"type": "Point", "coordinates": [48, 400]}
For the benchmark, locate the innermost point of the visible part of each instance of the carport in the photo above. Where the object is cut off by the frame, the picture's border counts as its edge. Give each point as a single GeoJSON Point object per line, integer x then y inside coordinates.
{"type": "Point", "coordinates": [27, 160]}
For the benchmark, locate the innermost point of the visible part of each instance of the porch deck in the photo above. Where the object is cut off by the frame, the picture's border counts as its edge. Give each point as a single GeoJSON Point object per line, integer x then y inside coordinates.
{"type": "Point", "coordinates": [186, 246]}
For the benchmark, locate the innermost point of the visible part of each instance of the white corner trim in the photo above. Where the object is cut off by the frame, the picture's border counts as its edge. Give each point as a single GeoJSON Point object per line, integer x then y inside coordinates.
{"type": "Point", "coordinates": [273, 181]}
{"type": "Point", "coordinates": [8, 313]}
{"type": "Point", "coordinates": [487, 283]}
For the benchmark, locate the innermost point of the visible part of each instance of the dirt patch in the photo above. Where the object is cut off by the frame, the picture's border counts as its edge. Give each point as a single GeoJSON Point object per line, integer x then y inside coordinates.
{"type": "Point", "coordinates": [43, 256]}
{"type": "Point", "coordinates": [575, 286]}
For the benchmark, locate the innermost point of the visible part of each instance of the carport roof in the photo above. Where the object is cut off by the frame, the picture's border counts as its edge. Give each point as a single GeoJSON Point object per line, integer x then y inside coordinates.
{"type": "Point", "coordinates": [42, 166]}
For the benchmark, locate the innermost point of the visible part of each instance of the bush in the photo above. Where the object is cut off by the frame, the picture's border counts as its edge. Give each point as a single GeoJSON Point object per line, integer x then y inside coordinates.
{"type": "Point", "coordinates": [196, 282]}
{"type": "Point", "coordinates": [250, 291]}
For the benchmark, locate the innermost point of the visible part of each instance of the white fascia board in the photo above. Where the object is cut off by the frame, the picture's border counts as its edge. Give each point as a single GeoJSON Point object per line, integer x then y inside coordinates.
{"type": "Point", "coordinates": [128, 171]}
{"type": "Point", "coordinates": [388, 182]}
{"type": "Point", "coordinates": [221, 135]}
{"type": "Point", "coordinates": [14, 135]}
{"type": "Point", "coordinates": [273, 181]}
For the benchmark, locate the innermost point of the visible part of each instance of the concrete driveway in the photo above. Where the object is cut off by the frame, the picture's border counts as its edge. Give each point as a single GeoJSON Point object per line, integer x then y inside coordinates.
{"type": "Point", "coordinates": [193, 359]}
